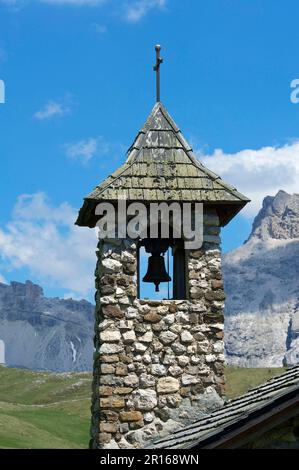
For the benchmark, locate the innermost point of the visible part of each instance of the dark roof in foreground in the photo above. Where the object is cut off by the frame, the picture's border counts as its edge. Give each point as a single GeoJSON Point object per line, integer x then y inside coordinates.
{"type": "Point", "coordinates": [242, 418]}
{"type": "Point", "coordinates": [161, 166]}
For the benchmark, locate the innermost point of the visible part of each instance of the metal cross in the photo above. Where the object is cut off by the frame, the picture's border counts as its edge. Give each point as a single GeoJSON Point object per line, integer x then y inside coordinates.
{"type": "Point", "coordinates": [159, 61]}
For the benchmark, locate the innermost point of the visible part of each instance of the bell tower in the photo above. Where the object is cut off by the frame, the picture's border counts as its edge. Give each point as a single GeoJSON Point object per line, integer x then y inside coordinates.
{"type": "Point", "coordinates": [158, 361]}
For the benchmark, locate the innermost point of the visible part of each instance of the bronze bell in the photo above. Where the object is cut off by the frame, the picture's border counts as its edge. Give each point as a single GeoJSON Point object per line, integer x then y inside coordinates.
{"type": "Point", "coordinates": [156, 271]}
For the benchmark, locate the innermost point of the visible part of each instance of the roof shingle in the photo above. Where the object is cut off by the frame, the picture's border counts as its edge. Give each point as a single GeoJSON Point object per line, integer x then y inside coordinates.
{"type": "Point", "coordinates": [161, 166]}
{"type": "Point", "coordinates": [234, 413]}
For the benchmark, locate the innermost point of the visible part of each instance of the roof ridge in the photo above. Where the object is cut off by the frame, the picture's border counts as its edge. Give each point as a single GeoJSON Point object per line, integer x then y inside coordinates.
{"type": "Point", "coordinates": [193, 157]}
{"type": "Point", "coordinates": [146, 129]}
{"type": "Point", "coordinates": [168, 118]}
{"type": "Point", "coordinates": [126, 164]}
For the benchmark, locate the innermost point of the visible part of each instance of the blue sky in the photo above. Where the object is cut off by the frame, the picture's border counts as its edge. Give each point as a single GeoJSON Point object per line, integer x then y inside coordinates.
{"type": "Point", "coordinates": [79, 85]}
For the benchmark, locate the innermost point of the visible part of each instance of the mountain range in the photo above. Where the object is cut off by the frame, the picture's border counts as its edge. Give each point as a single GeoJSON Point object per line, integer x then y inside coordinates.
{"type": "Point", "coordinates": [261, 280]}
{"type": "Point", "coordinates": [45, 333]}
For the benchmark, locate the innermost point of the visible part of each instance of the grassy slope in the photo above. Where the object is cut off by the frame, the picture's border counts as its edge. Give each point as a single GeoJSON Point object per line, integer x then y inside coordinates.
{"type": "Point", "coordinates": [44, 410]}
{"type": "Point", "coordinates": [240, 380]}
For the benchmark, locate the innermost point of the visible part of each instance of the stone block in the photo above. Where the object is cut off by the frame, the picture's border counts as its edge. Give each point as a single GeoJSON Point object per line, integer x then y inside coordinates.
{"type": "Point", "coordinates": [186, 337]}
{"type": "Point", "coordinates": [110, 348]}
{"type": "Point", "coordinates": [112, 311]}
{"type": "Point", "coordinates": [167, 337]}
{"type": "Point", "coordinates": [111, 266]}
{"type": "Point", "coordinates": [122, 390]}
{"type": "Point", "coordinates": [175, 371]}
{"type": "Point", "coordinates": [178, 348]}
{"type": "Point", "coordinates": [130, 416]}
{"type": "Point", "coordinates": [112, 402]}
{"type": "Point", "coordinates": [140, 347]}
{"type": "Point", "coordinates": [124, 358]}
{"type": "Point", "coordinates": [152, 317]}
{"type": "Point", "coordinates": [104, 437]}
{"type": "Point", "coordinates": [131, 380]}
{"type": "Point", "coordinates": [126, 325]}
{"type": "Point", "coordinates": [121, 369]}
{"type": "Point", "coordinates": [110, 336]}
{"type": "Point", "coordinates": [147, 380]}
{"type": "Point", "coordinates": [144, 400]}
{"type": "Point", "coordinates": [183, 360]}
{"type": "Point", "coordinates": [108, 415]}
{"type": "Point", "coordinates": [185, 391]}
{"type": "Point", "coordinates": [188, 379]}
{"type": "Point", "coordinates": [129, 268]}
{"type": "Point", "coordinates": [158, 369]}
{"type": "Point", "coordinates": [129, 337]}
{"type": "Point", "coordinates": [108, 427]}
{"type": "Point", "coordinates": [105, 391]}
{"type": "Point", "coordinates": [168, 385]}
{"type": "Point", "coordinates": [107, 369]}
{"type": "Point", "coordinates": [106, 290]}
{"type": "Point", "coordinates": [109, 358]}
{"type": "Point", "coordinates": [217, 284]}
{"type": "Point", "coordinates": [147, 337]}
{"type": "Point", "coordinates": [107, 300]}
{"type": "Point", "coordinates": [136, 424]}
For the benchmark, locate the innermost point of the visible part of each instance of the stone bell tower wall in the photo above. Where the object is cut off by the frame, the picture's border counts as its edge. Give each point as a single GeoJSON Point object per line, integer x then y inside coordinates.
{"type": "Point", "coordinates": [158, 364]}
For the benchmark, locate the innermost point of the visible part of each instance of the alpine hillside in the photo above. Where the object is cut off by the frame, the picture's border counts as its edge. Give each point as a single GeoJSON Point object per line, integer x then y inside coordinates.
{"type": "Point", "coordinates": [262, 285]}
{"type": "Point", "coordinates": [43, 333]}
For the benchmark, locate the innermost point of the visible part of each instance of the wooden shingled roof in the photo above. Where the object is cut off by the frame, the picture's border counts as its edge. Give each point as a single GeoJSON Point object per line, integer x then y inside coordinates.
{"type": "Point", "coordinates": [242, 419]}
{"type": "Point", "coordinates": [161, 166]}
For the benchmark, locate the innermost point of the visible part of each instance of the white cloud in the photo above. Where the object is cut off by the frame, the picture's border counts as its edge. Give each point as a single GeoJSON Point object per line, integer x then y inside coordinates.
{"type": "Point", "coordinates": [85, 150]}
{"type": "Point", "coordinates": [51, 109]}
{"type": "Point", "coordinates": [100, 28]}
{"type": "Point", "coordinates": [74, 2]}
{"type": "Point", "coordinates": [133, 10]}
{"type": "Point", "coordinates": [257, 173]}
{"type": "Point", "coordinates": [72, 295]}
{"type": "Point", "coordinates": [43, 239]}
{"type": "Point", "coordinates": [136, 10]}
{"type": "Point", "coordinates": [2, 279]}
{"type": "Point", "coordinates": [13, 3]}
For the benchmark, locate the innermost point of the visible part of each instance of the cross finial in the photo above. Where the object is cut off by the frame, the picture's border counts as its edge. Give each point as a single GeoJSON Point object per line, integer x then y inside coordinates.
{"type": "Point", "coordinates": [159, 61]}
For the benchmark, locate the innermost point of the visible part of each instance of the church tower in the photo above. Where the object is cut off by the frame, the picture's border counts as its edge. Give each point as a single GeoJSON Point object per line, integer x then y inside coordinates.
{"type": "Point", "coordinates": [159, 357]}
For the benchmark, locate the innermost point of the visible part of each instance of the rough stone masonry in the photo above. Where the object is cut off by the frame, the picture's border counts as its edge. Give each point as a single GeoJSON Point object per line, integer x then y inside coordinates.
{"type": "Point", "coordinates": [158, 364]}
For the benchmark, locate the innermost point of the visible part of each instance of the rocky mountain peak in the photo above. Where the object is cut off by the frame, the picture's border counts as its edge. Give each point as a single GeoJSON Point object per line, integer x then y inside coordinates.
{"type": "Point", "coordinates": [43, 332]}
{"type": "Point", "coordinates": [278, 217]}
{"type": "Point", "coordinates": [261, 284]}
{"type": "Point", "coordinates": [28, 289]}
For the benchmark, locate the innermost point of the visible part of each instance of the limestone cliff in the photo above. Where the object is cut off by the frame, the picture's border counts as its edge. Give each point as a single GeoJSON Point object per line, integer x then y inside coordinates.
{"type": "Point", "coordinates": [262, 285]}
{"type": "Point", "coordinates": [45, 333]}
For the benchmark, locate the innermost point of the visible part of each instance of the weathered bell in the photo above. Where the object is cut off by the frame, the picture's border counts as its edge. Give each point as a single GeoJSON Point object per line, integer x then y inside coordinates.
{"type": "Point", "coordinates": [156, 271]}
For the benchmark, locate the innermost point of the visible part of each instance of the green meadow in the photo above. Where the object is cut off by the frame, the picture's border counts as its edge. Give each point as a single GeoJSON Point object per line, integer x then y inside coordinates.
{"type": "Point", "coordinates": [43, 410]}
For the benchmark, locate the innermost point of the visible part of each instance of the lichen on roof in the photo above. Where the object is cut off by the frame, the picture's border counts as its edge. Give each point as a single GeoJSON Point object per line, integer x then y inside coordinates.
{"type": "Point", "coordinates": [161, 166]}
